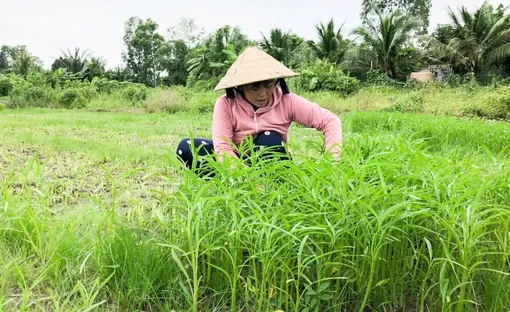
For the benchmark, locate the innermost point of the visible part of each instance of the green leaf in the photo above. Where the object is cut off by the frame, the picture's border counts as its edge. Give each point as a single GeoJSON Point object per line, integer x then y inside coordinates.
{"type": "Point", "coordinates": [382, 282]}
{"type": "Point", "coordinates": [325, 297]}
{"type": "Point", "coordinates": [323, 287]}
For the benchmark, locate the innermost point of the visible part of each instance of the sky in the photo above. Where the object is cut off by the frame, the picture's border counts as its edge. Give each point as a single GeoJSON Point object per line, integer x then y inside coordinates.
{"type": "Point", "coordinates": [47, 27]}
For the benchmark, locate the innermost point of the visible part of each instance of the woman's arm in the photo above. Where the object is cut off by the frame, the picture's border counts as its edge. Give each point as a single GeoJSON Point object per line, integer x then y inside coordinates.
{"type": "Point", "coordinates": [222, 132]}
{"type": "Point", "coordinates": [311, 115]}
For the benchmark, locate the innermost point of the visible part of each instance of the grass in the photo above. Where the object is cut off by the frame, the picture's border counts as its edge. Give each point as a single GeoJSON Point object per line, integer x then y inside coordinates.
{"type": "Point", "coordinates": [96, 214]}
{"type": "Point", "coordinates": [491, 102]}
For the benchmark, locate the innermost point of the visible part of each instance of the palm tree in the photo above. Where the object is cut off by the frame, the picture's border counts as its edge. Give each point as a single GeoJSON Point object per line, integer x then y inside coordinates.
{"type": "Point", "coordinates": [225, 36]}
{"type": "Point", "coordinates": [23, 62]}
{"type": "Point", "coordinates": [74, 62]}
{"type": "Point", "coordinates": [381, 42]}
{"type": "Point", "coordinates": [229, 57]}
{"type": "Point", "coordinates": [95, 68]}
{"type": "Point", "coordinates": [217, 53]}
{"type": "Point", "coordinates": [199, 64]}
{"type": "Point", "coordinates": [120, 74]}
{"type": "Point", "coordinates": [278, 45]}
{"type": "Point", "coordinates": [479, 40]}
{"type": "Point", "coordinates": [331, 45]}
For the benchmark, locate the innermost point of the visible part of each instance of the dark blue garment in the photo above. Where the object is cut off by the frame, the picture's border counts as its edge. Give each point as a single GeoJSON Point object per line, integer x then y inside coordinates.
{"type": "Point", "coordinates": [270, 141]}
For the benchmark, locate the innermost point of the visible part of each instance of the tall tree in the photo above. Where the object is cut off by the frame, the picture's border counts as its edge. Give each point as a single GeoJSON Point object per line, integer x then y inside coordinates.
{"type": "Point", "coordinates": [172, 59]}
{"type": "Point", "coordinates": [281, 45]}
{"type": "Point", "coordinates": [415, 8]}
{"type": "Point", "coordinates": [475, 41]}
{"type": "Point", "coordinates": [277, 45]}
{"type": "Point", "coordinates": [186, 31]}
{"type": "Point", "coordinates": [219, 51]}
{"type": "Point", "coordinates": [24, 63]}
{"type": "Point", "coordinates": [228, 57]}
{"type": "Point", "coordinates": [444, 33]}
{"type": "Point", "coordinates": [142, 45]}
{"type": "Point", "coordinates": [303, 56]}
{"type": "Point", "coordinates": [382, 42]}
{"type": "Point", "coordinates": [198, 63]}
{"type": "Point", "coordinates": [331, 46]}
{"type": "Point", "coordinates": [226, 36]}
{"type": "Point", "coordinates": [4, 58]}
{"type": "Point", "coordinates": [18, 60]}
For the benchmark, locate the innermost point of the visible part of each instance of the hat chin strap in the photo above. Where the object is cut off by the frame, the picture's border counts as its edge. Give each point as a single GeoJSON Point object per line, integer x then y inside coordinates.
{"type": "Point", "coordinates": [283, 85]}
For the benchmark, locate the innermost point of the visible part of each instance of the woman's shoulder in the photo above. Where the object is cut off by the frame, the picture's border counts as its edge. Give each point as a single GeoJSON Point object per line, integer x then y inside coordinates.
{"type": "Point", "coordinates": [224, 105]}
{"type": "Point", "coordinates": [292, 98]}
{"type": "Point", "coordinates": [225, 100]}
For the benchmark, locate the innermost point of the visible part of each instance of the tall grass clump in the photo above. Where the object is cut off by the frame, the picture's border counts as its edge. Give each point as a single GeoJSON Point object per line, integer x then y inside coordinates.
{"type": "Point", "coordinates": [392, 227]}
{"type": "Point", "coordinates": [168, 101]}
{"type": "Point", "coordinates": [493, 105]}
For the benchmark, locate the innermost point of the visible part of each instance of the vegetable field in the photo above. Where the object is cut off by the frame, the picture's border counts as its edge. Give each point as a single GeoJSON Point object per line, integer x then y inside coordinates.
{"type": "Point", "coordinates": [97, 214]}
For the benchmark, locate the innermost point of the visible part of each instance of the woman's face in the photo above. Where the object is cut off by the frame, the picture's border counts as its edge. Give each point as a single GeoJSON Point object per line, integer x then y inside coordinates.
{"type": "Point", "coordinates": [259, 93]}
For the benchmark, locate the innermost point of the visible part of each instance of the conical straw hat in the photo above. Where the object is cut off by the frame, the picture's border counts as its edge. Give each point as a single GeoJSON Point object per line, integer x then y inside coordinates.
{"type": "Point", "coordinates": [253, 65]}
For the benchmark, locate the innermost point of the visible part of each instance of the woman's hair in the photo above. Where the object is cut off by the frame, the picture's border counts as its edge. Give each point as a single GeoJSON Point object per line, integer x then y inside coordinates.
{"type": "Point", "coordinates": [281, 81]}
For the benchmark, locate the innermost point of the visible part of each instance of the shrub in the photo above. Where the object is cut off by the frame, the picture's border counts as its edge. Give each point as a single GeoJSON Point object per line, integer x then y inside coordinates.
{"type": "Point", "coordinates": [25, 94]}
{"type": "Point", "coordinates": [493, 105]}
{"type": "Point", "coordinates": [88, 92]}
{"type": "Point", "coordinates": [135, 93]}
{"type": "Point", "coordinates": [6, 85]}
{"type": "Point", "coordinates": [103, 85]}
{"type": "Point", "coordinates": [468, 81]}
{"type": "Point", "coordinates": [375, 77]}
{"type": "Point", "coordinates": [36, 78]}
{"type": "Point", "coordinates": [203, 105]}
{"type": "Point", "coordinates": [166, 101]}
{"type": "Point", "coordinates": [412, 103]}
{"type": "Point", "coordinates": [72, 98]}
{"type": "Point", "coordinates": [202, 85]}
{"type": "Point", "coordinates": [2, 107]}
{"type": "Point", "coordinates": [324, 76]}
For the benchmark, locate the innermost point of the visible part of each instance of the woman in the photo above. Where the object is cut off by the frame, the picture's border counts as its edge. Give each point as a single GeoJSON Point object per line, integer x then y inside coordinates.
{"type": "Point", "coordinates": [258, 106]}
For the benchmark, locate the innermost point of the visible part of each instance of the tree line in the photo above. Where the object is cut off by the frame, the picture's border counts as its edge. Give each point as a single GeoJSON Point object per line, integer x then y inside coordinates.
{"type": "Point", "coordinates": [391, 41]}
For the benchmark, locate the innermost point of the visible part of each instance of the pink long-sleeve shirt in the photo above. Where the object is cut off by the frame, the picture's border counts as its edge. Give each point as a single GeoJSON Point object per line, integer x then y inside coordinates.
{"type": "Point", "coordinates": [235, 119]}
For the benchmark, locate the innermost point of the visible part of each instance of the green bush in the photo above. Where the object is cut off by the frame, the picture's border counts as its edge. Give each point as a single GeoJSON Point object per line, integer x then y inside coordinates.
{"type": "Point", "coordinates": [25, 94]}
{"type": "Point", "coordinates": [202, 85]}
{"type": "Point", "coordinates": [375, 77]}
{"type": "Point", "coordinates": [36, 78]}
{"type": "Point", "coordinates": [324, 76]}
{"type": "Point", "coordinates": [135, 93]}
{"type": "Point", "coordinates": [6, 85]}
{"type": "Point", "coordinates": [454, 81]}
{"type": "Point", "coordinates": [203, 105]}
{"type": "Point", "coordinates": [2, 107]}
{"type": "Point", "coordinates": [88, 93]}
{"type": "Point", "coordinates": [411, 103]}
{"type": "Point", "coordinates": [103, 85]}
{"type": "Point", "coordinates": [493, 105]}
{"type": "Point", "coordinates": [72, 98]}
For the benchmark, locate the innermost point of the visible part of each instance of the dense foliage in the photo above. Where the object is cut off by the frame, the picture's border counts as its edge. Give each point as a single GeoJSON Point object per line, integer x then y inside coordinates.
{"type": "Point", "coordinates": [474, 42]}
{"type": "Point", "coordinates": [390, 40]}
